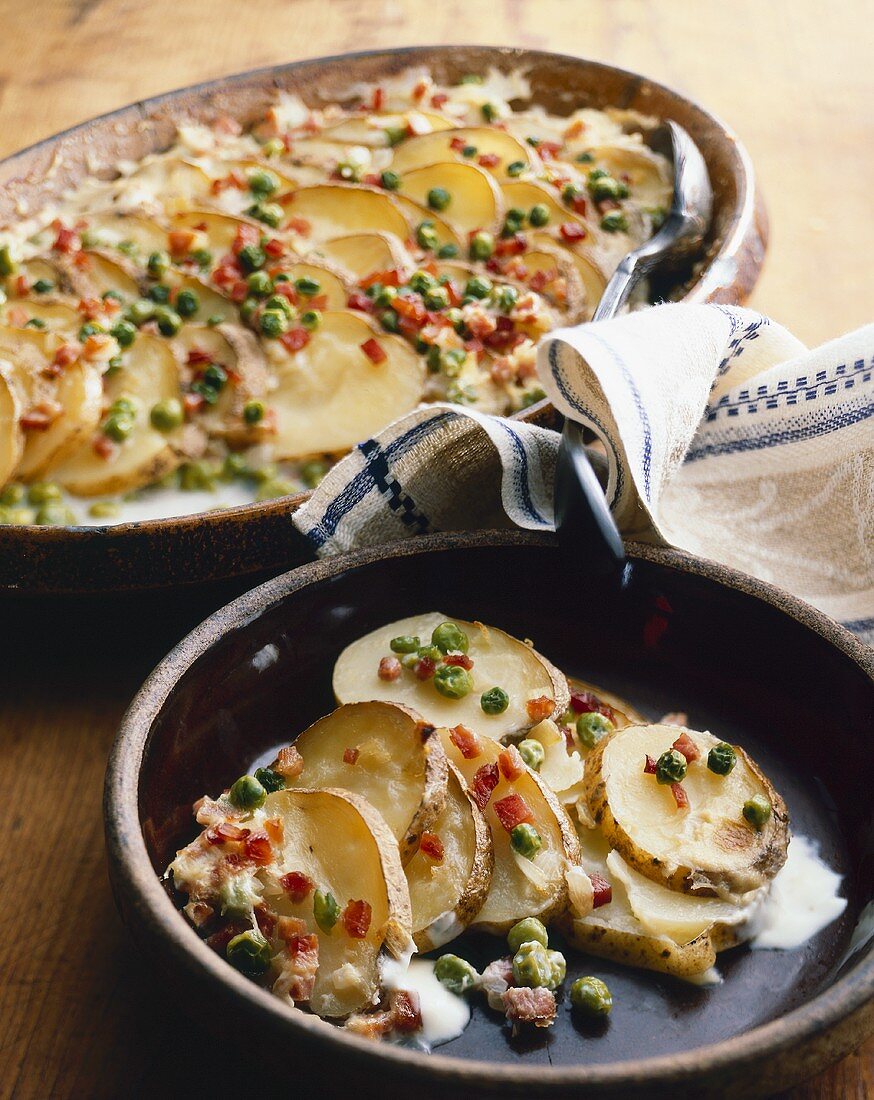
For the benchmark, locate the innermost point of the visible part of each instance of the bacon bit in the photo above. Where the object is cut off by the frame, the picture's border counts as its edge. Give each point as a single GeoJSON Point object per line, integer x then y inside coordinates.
{"type": "Point", "coordinates": [298, 976]}
{"type": "Point", "coordinates": [300, 226]}
{"type": "Point", "coordinates": [431, 846]}
{"type": "Point", "coordinates": [224, 831]}
{"type": "Point", "coordinates": [361, 302]}
{"type": "Point", "coordinates": [649, 767]}
{"type": "Point", "coordinates": [239, 291]}
{"type": "Point", "coordinates": [22, 285]}
{"type": "Point", "coordinates": [602, 891]}
{"type": "Point", "coordinates": [90, 308]}
{"type": "Point", "coordinates": [511, 246]}
{"type": "Point", "coordinates": [297, 885]}
{"type": "Point", "coordinates": [287, 291]}
{"type": "Point", "coordinates": [198, 912]}
{"type": "Point", "coordinates": [460, 659]}
{"type": "Point", "coordinates": [512, 811]}
{"type": "Point", "coordinates": [356, 919]}
{"type": "Point", "coordinates": [350, 756]}
{"type": "Point", "coordinates": [466, 741]}
{"type": "Point", "coordinates": [405, 1013]}
{"type": "Point", "coordinates": [475, 347]}
{"type": "Point", "coordinates": [540, 708]}
{"type": "Point", "coordinates": [96, 346]}
{"type": "Point", "coordinates": [571, 231]}
{"type": "Point", "coordinates": [103, 446]}
{"type": "Point", "coordinates": [488, 160]}
{"type": "Point", "coordinates": [574, 130]}
{"type": "Point", "coordinates": [511, 763]}
{"type": "Point", "coordinates": [579, 205]}
{"type": "Point", "coordinates": [41, 417]}
{"type": "Point", "coordinates": [549, 149]}
{"type": "Point", "coordinates": [17, 316]}
{"type": "Point", "coordinates": [685, 745]}
{"type": "Point", "coordinates": [289, 762]}
{"type": "Point", "coordinates": [295, 339]}
{"type": "Point", "coordinates": [530, 1006]}
{"type": "Point", "coordinates": [67, 240]}
{"type": "Point", "coordinates": [390, 277]}
{"type": "Point", "coordinates": [457, 144]}
{"type": "Point", "coordinates": [425, 668]}
{"type": "Point", "coordinates": [389, 670]}
{"type": "Point", "coordinates": [257, 848]}
{"type": "Point", "coordinates": [218, 941]}
{"type": "Point", "coordinates": [232, 179]}
{"type": "Point", "coordinates": [680, 796]}
{"type": "Point", "coordinates": [377, 101]}
{"type": "Point", "coordinates": [265, 919]}
{"type": "Point", "coordinates": [227, 125]}
{"type": "Point", "coordinates": [245, 236]}
{"type": "Point", "coordinates": [192, 403]}
{"type": "Point", "coordinates": [584, 702]}
{"type": "Point", "coordinates": [438, 99]}
{"type": "Point", "coordinates": [290, 929]}
{"type": "Point", "coordinates": [374, 351]}
{"type": "Point", "coordinates": [275, 829]}
{"type": "Point", "coordinates": [410, 306]}
{"type": "Point", "coordinates": [419, 90]}
{"type": "Point", "coordinates": [181, 241]}
{"type": "Point", "coordinates": [484, 782]}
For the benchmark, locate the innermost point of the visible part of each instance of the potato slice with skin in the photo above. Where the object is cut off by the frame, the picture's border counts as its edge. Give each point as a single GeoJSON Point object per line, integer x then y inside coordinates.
{"type": "Point", "coordinates": [173, 177]}
{"type": "Point", "coordinates": [362, 254]}
{"type": "Point", "coordinates": [624, 714]}
{"type": "Point", "coordinates": [12, 405]}
{"type": "Point", "coordinates": [370, 129]}
{"type": "Point", "coordinates": [79, 392]}
{"type": "Point", "coordinates": [211, 304]}
{"type": "Point", "coordinates": [590, 272]}
{"type": "Point", "coordinates": [447, 896]}
{"type": "Point", "coordinates": [523, 194]}
{"type": "Point", "coordinates": [475, 199]}
{"type": "Point", "coordinates": [330, 395]}
{"type": "Point", "coordinates": [111, 229]}
{"type": "Point", "coordinates": [220, 229]}
{"type": "Point", "coordinates": [336, 209]}
{"type": "Point", "coordinates": [345, 847]}
{"type": "Point", "coordinates": [333, 282]}
{"type": "Point", "coordinates": [707, 849]}
{"type": "Point", "coordinates": [416, 213]}
{"type": "Point", "coordinates": [558, 266]}
{"type": "Point", "coordinates": [418, 152]}
{"type": "Point", "coordinates": [57, 316]}
{"type": "Point", "coordinates": [386, 753]}
{"type": "Point", "coordinates": [646, 174]}
{"type": "Point", "coordinates": [499, 660]}
{"type": "Point", "coordinates": [148, 375]}
{"type": "Point", "coordinates": [520, 887]}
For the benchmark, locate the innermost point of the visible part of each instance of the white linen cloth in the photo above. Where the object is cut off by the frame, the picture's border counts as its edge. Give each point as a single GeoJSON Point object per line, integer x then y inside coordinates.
{"type": "Point", "coordinates": [725, 436]}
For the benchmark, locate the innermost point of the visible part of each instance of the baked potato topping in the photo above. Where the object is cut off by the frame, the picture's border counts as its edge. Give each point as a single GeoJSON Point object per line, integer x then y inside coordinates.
{"type": "Point", "coordinates": [464, 783]}
{"type": "Point", "coordinates": [229, 316]}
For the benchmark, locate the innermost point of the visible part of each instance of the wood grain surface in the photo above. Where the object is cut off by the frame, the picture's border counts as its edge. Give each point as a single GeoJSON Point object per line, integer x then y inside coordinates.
{"type": "Point", "coordinates": [80, 1016]}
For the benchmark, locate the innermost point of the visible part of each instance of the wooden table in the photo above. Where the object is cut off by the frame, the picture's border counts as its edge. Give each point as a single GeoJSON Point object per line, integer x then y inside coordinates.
{"type": "Point", "coordinates": [79, 1014]}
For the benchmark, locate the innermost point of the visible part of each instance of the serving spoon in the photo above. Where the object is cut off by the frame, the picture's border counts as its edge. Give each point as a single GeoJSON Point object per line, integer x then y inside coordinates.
{"type": "Point", "coordinates": [582, 515]}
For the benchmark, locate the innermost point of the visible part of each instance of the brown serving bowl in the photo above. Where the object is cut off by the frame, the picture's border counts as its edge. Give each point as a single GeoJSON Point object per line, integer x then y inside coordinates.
{"type": "Point", "coordinates": [253, 540]}
{"type": "Point", "coordinates": [744, 659]}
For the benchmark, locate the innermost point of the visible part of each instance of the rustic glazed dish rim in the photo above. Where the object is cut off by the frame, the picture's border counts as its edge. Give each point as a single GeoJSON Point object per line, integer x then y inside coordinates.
{"type": "Point", "coordinates": [846, 996]}
{"type": "Point", "coordinates": [744, 211]}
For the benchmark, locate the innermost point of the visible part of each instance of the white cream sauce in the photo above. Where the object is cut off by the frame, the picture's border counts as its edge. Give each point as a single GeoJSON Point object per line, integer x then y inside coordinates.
{"type": "Point", "coordinates": [444, 1015]}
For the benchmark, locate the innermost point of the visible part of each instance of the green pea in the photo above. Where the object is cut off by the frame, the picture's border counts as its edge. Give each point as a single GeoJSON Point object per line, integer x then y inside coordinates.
{"type": "Point", "coordinates": [118, 426]}
{"type": "Point", "coordinates": [278, 487]}
{"type": "Point", "coordinates": [455, 973]}
{"type": "Point", "coordinates": [123, 405]}
{"type": "Point", "coordinates": [273, 147]}
{"type": "Point", "coordinates": [614, 222]}
{"type": "Point", "coordinates": [421, 281]}
{"type": "Point", "coordinates": [658, 215]}
{"type": "Point", "coordinates": [249, 953]}
{"type": "Point", "coordinates": [214, 319]}
{"type": "Point", "coordinates": [394, 135]}
{"type": "Point", "coordinates": [721, 758]}
{"type": "Point", "coordinates": [187, 302]}
{"type": "Point", "coordinates": [273, 322]}
{"type": "Point", "coordinates": [128, 248]}
{"type": "Point", "coordinates": [533, 141]}
{"type": "Point", "coordinates": [326, 911]}
{"type": "Point", "coordinates": [505, 298]}
{"type": "Point", "coordinates": [310, 319]}
{"type": "Point", "coordinates": [453, 681]}
{"type": "Point", "coordinates": [158, 264]}
{"type": "Point", "coordinates": [598, 174]}
{"type": "Point", "coordinates": [35, 322]}
{"type": "Point", "coordinates": [516, 168]}
{"type": "Point", "coordinates": [525, 839]}
{"type": "Point", "coordinates": [259, 284]}
{"type": "Point", "coordinates": [426, 235]}
{"type": "Point", "coordinates": [404, 643]}
{"type": "Point", "coordinates": [538, 215]}
{"type": "Point", "coordinates": [270, 780]}
{"type": "Point", "coordinates": [311, 473]}
{"type": "Point", "coordinates": [253, 412]}
{"type": "Point", "coordinates": [262, 181]}
{"type": "Point", "coordinates": [592, 727]}
{"type": "Point", "coordinates": [605, 187]}
{"type": "Point", "coordinates": [558, 966]}
{"type": "Point", "coordinates": [671, 767]}
{"type": "Point", "coordinates": [529, 930]}
{"type": "Point", "coordinates": [449, 638]}
{"type": "Point", "coordinates": [43, 286]}
{"type": "Point", "coordinates": [391, 181]}
{"type": "Point", "coordinates": [584, 158]}
{"type": "Point", "coordinates": [124, 332]}
{"type": "Point", "coordinates": [456, 318]}
{"type": "Point", "coordinates": [756, 810]}
{"type": "Point", "coordinates": [54, 515]}
{"type": "Point", "coordinates": [489, 112]}
{"type": "Point", "coordinates": [307, 286]}
{"type": "Point", "coordinates": [531, 965]}
{"type": "Point", "coordinates": [247, 793]}
{"type": "Point", "coordinates": [42, 492]}
{"type": "Point", "coordinates": [389, 320]}
{"type": "Point", "coordinates": [570, 192]}
{"type": "Point", "coordinates": [234, 466]}
{"type": "Point", "coordinates": [430, 651]}
{"type": "Point", "coordinates": [471, 78]}
{"type": "Point", "coordinates": [104, 509]}
{"type": "Point", "coordinates": [437, 298]}
{"type": "Point", "coordinates": [439, 198]}
{"type": "Point", "coordinates": [13, 493]}
{"type": "Point", "coordinates": [447, 251]}
{"type": "Point", "coordinates": [197, 476]}
{"type": "Point", "coordinates": [592, 997]}
{"type": "Point", "coordinates": [89, 329]}
{"type": "Point", "coordinates": [169, 321]}
{"type": "Point", "coordinates": [140, 311]}
{"type": "Point", "coordinates": [251, 258]}
{"type": "Point", "coordinates": [452, 361]}
{"type": "Point", "coordinates": [113, 295]}
{"type": "Point", "coordinates": [167, 415]}
{"type": "Point", "coordinates": [349, 172]}
{"type": "Point", "coordinates": [494, 701]}
{"type": "Point", "coordinates": [478, 287]}
{"type": "Point", "coordinates": [18, 517]}
{"type": "Point", "coordinates": [280, 302]}
{"type": "Point", "coordinates": [202, 257]}
{"type": "Point", "coordinates": [113, 366]}
{"type": "Point", "coordinates": [8, 265]}
{"type": "Point", "coordinates": [513, 222]}
{"type": "Point", "coordinates": [532, 753]}
{"type": "Point", "coordinates": [482, 245]}
{"type": "Point", "coordinates": [385, 296]}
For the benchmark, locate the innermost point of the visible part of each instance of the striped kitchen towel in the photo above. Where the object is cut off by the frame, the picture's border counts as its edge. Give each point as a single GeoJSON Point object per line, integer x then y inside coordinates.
{"type": "Point", "coordinates": [724, 436]}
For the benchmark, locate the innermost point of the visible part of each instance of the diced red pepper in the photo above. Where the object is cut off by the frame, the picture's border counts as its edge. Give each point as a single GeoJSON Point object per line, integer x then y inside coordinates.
{"type": "Point", "coordinates": [410, 306]}
{"type": "Point", "coordinates": [300, 226]}
{"type": "Point", "coordinates": [438, 99]}
{"type": "Point", "coordinates": [431, 846]}
{"type": "Point", "coordinates": [239, 291]}
{"type": "Point", "coordinates": [67, 240]}
{"type": "Point", "coordinates": [540, 708]}
{"type": "Point", "coordinates": [297, 885]}
{"type": "Point", "coordinates": [275, 248]}
{"type": "Point", "coordinates": [512, 811]}
{"type": "Point", "coordinates": [295, 339]}
{"type": "Point", "coordinates": [181, 241]}
{"type": "Point", "coordinates": [488, 160]}
{"type": "Point", "coordinates": [649, 767]}
{"type": "Point", "coordinates": [484, 782]}
{"type": "Point", "coordinates": [245, 236]}
{"type": "Point", "coordinates": [511, 763]}
{"type": "Point", "coordinates": [361, 302]}
{"type": "Point", "coordinates": [572, 231]}
{"type": "Point", "coordinates": [687, 747]}
{"type": "Point", "coordinates": [40, 418]}
{"type": "Point", "coordinates": [511, 246]}
{"type": "Point", "coordinates": [602, 891]}
{"type": "Point", "coordinates": [374, 351]}
{"type": "Point", "coordinates": [389, 669]}
{"type": "Point", "coordinates": [192, 403]}
{"type": "Point", "coordinates": [350, 756]}
{"type": "Point", "coordinates": [457, 144]}
{"type": "Point", "coordinates": [103, 446]}
{"type": "Point", "coordinates": [460, 659]}
{"type": "Point", "coordinates": [680, 796]}
{"type": "Point", "coordinates": [257, 848]}
{"type": "Point", "coordinates": [377, 101]}
{"type": "Point", "coordinates": [356, 919]}
{"type": "Point", "coordinates": [466, 741]}
{"type": "Point", "coordinates": [390, 277]}
{"type": "Point", "coordinates": [22, 285]}
{"type": "Point", "coordinates": [549, 149]}
{"type": "Point", "coordinates": [65, 355]}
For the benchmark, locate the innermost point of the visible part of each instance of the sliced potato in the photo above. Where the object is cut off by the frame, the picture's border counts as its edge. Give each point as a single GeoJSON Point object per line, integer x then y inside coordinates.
{"type": "Point", "coordinates": [171, 177]}
{"type": "Point", "coordinates": [111, 229]}
{"type": "Point", "coordinates": [564, 289]}
{"type": "Point", "coordinates": [523, 194]}
{"type": "Point", "coordinates": [336, 209]}
{"type": "Point", "coordinates": [79, 392]}
{"type": "Point", "coordinates": [56, 316]}
{"type": "Point", "coordinates": [475, 199]}
{"type": "Point", "coordinates": [148, 375]}
{"type": "Point", "coordinates": [330, 395]}
{"type": "Point", "coordinates": [219, 229]}
{"type": "Point", "coordinates": [647, 174]}
{"type": "Point", "coordinates": [416, 213]}
{"type": "Point", "coordinates": [447, 895]}
{"type": "Point", "coordinates": [387, 754]}
{"type": "Point", "coordinates": [591, 273]}
{"type": "Point", "coordinates": [343, 845]}
{"type": "Point", "coordinates": [499, 660]}
{"type": "Point", "coordinates": [370, 129]}
{"type": "Point", "coordinates": [210, 304]}
{"type": "Point", "coordinates": [12, 405]}
{"type": "Point", "coordinates": [362, 254]}
{"type": "Point", "coordinates": [520, 887]}
{"type": "Point", "coordinates": [418, 152]}
{"type": "Point", "coordinates": [707, 849]}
